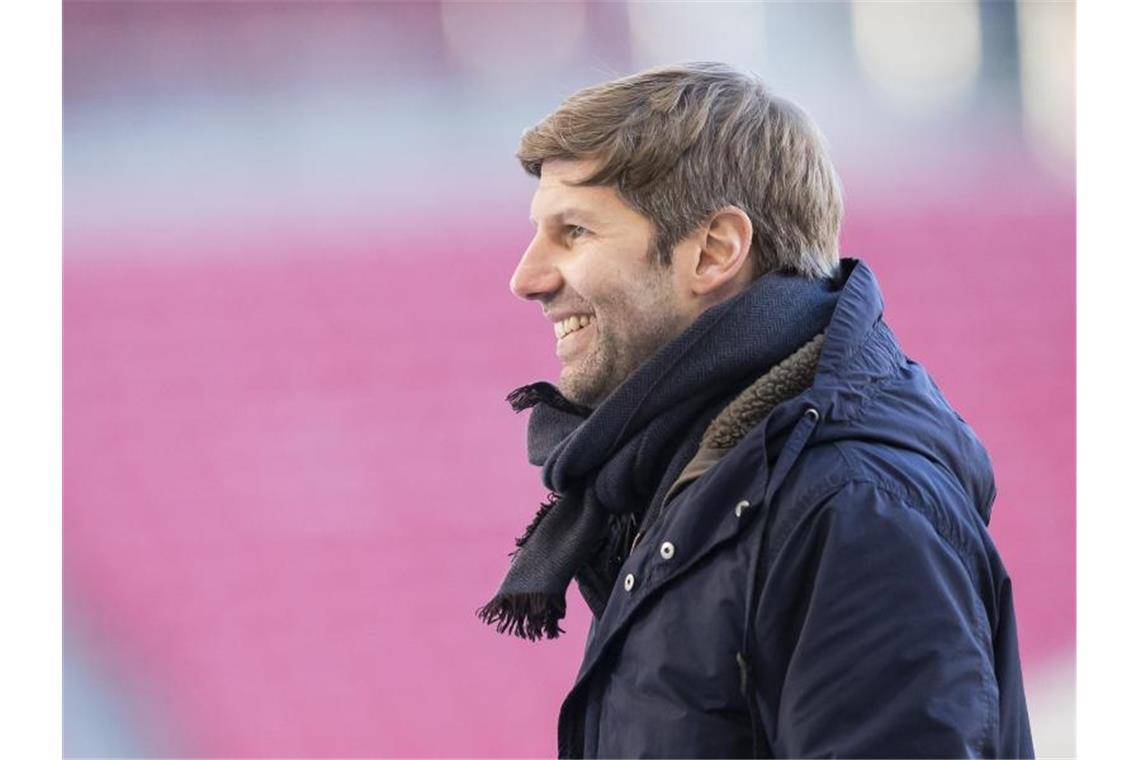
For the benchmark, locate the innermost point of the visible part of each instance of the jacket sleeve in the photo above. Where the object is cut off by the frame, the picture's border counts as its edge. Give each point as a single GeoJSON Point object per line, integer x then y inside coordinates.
{"type": "Point", "coordinates": [871, 639]}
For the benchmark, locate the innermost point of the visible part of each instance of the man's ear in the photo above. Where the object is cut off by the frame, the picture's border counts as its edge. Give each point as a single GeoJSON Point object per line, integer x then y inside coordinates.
{"type": "Point", "coordinates": [722, 253]}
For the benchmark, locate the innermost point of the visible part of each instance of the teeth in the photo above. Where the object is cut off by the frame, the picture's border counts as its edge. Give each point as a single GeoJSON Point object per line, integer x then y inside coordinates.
{"type": "Point", "coordinates": [570, 324]}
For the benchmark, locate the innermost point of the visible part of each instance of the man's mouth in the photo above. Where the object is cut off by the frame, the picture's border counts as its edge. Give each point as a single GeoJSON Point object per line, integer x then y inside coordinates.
{"type": "Point", "coordinates": [571, 324]}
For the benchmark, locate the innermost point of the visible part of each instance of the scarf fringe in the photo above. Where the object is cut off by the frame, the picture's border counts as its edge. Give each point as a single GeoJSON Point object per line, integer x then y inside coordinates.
{"type": "Point", "coordinates": [544, 393]}
{"type": "Point", "coordinates": [543, 509]}
{"type": "Point", "coordinates": [528, 616]}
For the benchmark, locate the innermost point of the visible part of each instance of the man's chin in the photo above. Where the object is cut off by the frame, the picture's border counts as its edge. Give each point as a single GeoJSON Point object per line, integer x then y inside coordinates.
{"type": "Point", "coordinates": [580, 390]}
{"type": "Point", "coordinates": [571, 393]}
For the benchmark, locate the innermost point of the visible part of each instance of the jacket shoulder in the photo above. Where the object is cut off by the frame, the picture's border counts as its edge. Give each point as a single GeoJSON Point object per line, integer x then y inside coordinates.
{"type": "Point", "coordinates": [850, 475]}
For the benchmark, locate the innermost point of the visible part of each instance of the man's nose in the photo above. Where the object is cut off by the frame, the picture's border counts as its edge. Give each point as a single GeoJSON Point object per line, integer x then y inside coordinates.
{"type": "Point", "coordinates": [536, 274]}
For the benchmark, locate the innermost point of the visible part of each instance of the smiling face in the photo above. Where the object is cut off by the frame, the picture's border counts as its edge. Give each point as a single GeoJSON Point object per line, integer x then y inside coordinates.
{"type": "Point", "coordinates": [590, 266]}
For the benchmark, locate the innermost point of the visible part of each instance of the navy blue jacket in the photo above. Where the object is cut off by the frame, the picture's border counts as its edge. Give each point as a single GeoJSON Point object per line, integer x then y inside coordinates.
{"type": "Point", "coordinates": [828, 588]}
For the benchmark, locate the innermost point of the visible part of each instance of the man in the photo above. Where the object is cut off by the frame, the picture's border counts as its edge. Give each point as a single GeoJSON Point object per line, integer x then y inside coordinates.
{"type": "Point", "coordinates": [776, 518]}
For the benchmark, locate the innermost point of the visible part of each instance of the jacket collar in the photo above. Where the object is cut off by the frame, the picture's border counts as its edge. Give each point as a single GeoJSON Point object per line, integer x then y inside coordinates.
{"type": "Point", "coordinates": [785, 380]}
{"type": "Point", "coordinates": [860, 306]}
{"type": "Point", "coordinates": [858, 352]}
{"type": "Point", "coordinates": [828, 364]}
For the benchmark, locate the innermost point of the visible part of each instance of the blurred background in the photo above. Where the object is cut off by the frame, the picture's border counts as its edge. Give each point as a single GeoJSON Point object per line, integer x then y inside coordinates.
{"type": "Point", "coordinates": [290, 475]}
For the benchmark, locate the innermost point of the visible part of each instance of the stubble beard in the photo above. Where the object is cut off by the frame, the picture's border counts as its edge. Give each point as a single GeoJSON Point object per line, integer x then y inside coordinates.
{"type": "Point", "coordinates": [613, 355]}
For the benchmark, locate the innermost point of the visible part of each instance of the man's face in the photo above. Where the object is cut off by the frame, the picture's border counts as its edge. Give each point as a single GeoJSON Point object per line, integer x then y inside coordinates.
{"type": "Point", "coordinates": [590, 262]}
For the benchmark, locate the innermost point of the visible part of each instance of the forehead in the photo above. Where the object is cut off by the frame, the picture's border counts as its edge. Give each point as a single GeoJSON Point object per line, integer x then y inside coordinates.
{"type": "Point", "coordinates": [557, 196]}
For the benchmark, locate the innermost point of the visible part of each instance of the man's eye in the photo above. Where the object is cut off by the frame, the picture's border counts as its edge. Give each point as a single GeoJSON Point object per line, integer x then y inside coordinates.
{"type": "Point", "coordinates": [574, 231]}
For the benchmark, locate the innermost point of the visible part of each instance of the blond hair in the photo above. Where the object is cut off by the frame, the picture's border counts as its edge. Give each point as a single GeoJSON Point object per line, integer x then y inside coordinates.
{"type": "Point", "coordinates": [681, 142]}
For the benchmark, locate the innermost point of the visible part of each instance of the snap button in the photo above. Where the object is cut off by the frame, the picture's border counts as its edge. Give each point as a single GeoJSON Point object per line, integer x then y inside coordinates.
{"type": "Point", "coordinates": [667, 550]}
{"type": "Point", "coordinates": [743, 505]}
{"type": "Point", "coordinates": [812, 413]}
{"type": "Point", "coordinates": [629, 582]}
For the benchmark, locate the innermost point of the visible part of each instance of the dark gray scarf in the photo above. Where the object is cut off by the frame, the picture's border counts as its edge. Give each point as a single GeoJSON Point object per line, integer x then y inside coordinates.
{"type": "Point", "coordinates": [609, 468]}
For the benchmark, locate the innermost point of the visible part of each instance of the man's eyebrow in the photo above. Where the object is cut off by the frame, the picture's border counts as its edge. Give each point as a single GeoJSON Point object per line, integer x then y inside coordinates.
{"type": "Point", "coordinates": [570, 212]}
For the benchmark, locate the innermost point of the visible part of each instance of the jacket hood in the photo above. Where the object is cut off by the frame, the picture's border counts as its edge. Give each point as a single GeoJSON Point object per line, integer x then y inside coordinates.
{"type": "Point", "coordinates": [870, 391]}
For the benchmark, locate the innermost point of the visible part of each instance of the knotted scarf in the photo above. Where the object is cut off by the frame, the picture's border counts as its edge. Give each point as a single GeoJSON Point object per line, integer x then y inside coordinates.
{"type": "Point", "coordinates": [608, 468]}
